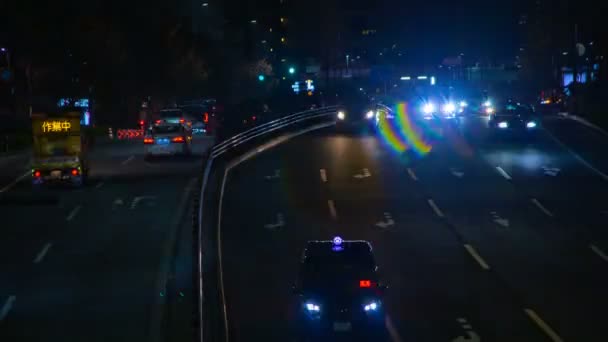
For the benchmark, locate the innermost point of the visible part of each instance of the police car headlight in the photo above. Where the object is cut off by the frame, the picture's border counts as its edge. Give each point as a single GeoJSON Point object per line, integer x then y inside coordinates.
{"type": "Point", "coordinates": [341, 115]}
{"type": "Point", "coordinates": [449, 108]}
{"type": "Point", "coordinates": [312, 307]}
{"type": "Point", "coordinates": [369, 114]}
{"type": "Point", "coordinates": [428, 108]}
{"type": "Point", "coordinates": [371, 306]}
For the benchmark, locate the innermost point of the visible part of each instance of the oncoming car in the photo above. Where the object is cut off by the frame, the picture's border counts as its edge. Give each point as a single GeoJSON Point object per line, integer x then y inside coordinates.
{"type": "Point", "coordinates": [338, 291]}
{"type": "Point", "coordinates": [167, 139]}
{"type": "Point", "coordinates": [513, 117]}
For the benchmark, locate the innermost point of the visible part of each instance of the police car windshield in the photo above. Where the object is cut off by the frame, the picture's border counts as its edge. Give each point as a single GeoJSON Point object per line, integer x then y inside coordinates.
{"type": "Point", "coordinates": [165, 114]}
{"type": "Point", "coordinates": [511, 108]}
{"type": "Point", "coordinates": [168, 129]}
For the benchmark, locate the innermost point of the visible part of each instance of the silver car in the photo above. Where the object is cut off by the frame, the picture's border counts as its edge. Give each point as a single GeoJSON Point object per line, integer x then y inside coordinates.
{"type": "Point", "coordinates": [167, 139]}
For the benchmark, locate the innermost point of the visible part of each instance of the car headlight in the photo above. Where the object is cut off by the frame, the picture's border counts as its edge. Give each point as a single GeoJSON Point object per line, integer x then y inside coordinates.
{"type": "Point", "coordinates": [490, 110]}
{"type": "Point", "coordinates": [369, 114]}
{"type": "Point", "coordinates": [487, 103]}
{"type": "Point", "coordinates": [341, 115]}
{"type": "Point", "coordinates": [428, 108]}
{"type": "Point", "coordinates": [449, 108]}
{"type": "Point", "coordinates": [463, 103]}
{"type": "Point", "coordinates": [371, 306]}
{"type": "Point", "coordinates": [531, 124]}
{"type": "Point", "coordinates": [312, 307]}
{"type": "Point", "coordinates": [503, 124]}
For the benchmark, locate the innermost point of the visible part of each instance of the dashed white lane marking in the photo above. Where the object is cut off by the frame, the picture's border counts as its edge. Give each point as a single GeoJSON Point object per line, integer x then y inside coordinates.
{"type": "Point", "coordinates": [99, 185]}
{"type": "Point", "coordinates": [599, 252]}
{"type": "Point", "coordinates": [73, 213]}
{"type": "Point", "coordinates": [412, 174]}
{"type": "Point", "coordinates": [503, 173]}
{"type": "Point", "coordinates": [542, 207]}
{"type": "Point", "coordinates": [332, 209]}
{"type": "Point", "coordinates": [323, 175]}
{"type": "Point", "coordinates": [435, 208]}
{"type": "Point", "coordinates": [477, 257]}
{"type": "Point", "coordinates": [42, 253]}
{"type": "Point", "coordinates": [543, 326]}
{"type": "Point", "coordinates": [388, 323]}
{"type": "Point", "coordinates": [14, 182]}
{"type": "Point", "coordinates": [6, 308]}
{"type": "Point", "coordinates": [126, 161]}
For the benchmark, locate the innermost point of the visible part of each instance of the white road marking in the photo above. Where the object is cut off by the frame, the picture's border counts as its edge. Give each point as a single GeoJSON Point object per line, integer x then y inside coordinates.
{"type": "Point", "coordinates": [99, 185]}
{"type": "Point", "coordinates": [126, 161]}
{"type": "Point", "coordinates": [42, 253]}
{"type": "Point", "coordinates": [577, 156]}
{"type": "Point", "coordinates": [542, 207]}
{"type": "Point", "coordinates": [73, 213]}
{"type": "Point", "coordinates": [456, 172]}
{"type": "Point", "coordinates": [412, 174]}
{"type": "Point", "coordinates": [332, 209]}
{"type": "Point", "coordinates": [280, 223]}
{"type": "Point", "coordinates": [365, 174]}
{"type": "Point", "coordinates": [14, 182]}
{"type": "Point", "coordinates": [599, 252]}
{"type": "Point", "coordinates": [551, 171]}
{"type": "Point", "coordinates": [435, 208]}
{"type": "Point", "coordinates": [477, 257]}
{"type": "Point", "coordinates": [503, 173]}
{"type": "Point", "coordinates": [499, 220]}
{"type": "Point", "coordinates": [388, 323]}
{"type": "Point", "coordinates": [387, 223]}
{"type": "Point", "coordinates": [138, 199]}
{"type": "Point", "coordinates": [277, 174]}
{"type": "Point", "coordinates": [6, 308]}
{"type": "Point", "coordinates": [323, 175]}
{"type": "Point", "coordinates": [543, 326]}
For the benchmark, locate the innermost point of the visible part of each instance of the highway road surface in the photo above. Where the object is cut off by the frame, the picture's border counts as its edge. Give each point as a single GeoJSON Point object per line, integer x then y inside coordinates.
{"type": "Point", "coordinates": [100, 263]}
{"type": "Point", "coordinates": [478, 240]}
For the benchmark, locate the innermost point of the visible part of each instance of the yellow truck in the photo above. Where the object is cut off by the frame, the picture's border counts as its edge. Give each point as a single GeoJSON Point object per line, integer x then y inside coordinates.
{"type": "Point", "coordinates": [60, 149]}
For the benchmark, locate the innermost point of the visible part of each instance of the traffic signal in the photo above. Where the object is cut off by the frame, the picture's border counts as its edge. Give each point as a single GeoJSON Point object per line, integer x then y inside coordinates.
{"type": "Point", "coordinates": [261, 77]}
{"type": "Point", "coordinates": [292, 70]}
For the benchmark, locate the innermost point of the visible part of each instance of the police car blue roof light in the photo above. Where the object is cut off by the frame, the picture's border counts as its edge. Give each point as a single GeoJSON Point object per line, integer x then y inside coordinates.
{"type": "Point", "coordinates": [337, 241]}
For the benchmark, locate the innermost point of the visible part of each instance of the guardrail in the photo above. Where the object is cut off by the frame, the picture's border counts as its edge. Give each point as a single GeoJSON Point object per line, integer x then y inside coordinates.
{"type": "Point", "coordinates": [217, 151]}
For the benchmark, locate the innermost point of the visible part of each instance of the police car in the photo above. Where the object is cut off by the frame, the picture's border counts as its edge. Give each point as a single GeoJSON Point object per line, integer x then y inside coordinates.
{"type": "Point", "coordinates": [338, 291]}
{"type": "Point", "coordinates": [167, 138]}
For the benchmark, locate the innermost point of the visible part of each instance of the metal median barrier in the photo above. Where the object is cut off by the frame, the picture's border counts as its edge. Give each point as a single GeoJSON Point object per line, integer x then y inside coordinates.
{"type": "Point", "coordinates": [209, 328]}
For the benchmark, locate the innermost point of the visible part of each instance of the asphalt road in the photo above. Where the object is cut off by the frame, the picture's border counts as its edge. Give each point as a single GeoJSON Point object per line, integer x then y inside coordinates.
{"type": "Point", "coordinates": [477, 240]}
{"type": "Point", "coordinates": [97, 263]}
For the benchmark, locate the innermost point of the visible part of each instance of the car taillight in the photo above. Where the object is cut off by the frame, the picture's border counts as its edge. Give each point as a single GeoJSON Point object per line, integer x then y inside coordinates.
{"type": "Point", "coordinates": [182, 120]}
{"type": "Point", "coordinates": [158, 122]}
{"type": "Point", "coordinates": [148, 141]}
{"type": "Point", "coordinates": [365, 283]}
{"type": "Point", "coordinates": [206, 117]}
{"type": "Point", "coordinates": [178, 140]}
{"type": "Point", "coordinates": [37, 174]}
{"type": "Point", "coordinates": [75, 172]}
{"type": "Point", "coordinates": [141, 122]}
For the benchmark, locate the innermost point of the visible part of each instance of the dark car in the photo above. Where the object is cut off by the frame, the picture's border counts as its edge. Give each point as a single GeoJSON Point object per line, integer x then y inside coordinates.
{"type": "Point", "coordinates": [355, 111]}
{"type": "Point", "coordinates": [338, 292]}
{"type": "Point", "coordinates": [513, 117]}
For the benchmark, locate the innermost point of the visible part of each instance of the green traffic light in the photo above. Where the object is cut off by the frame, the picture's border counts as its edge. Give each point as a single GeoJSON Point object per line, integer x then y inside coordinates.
{"type": "Point", "coordinates": [292, 70]}
{"type": "Point", "coordinates": [261, 78]}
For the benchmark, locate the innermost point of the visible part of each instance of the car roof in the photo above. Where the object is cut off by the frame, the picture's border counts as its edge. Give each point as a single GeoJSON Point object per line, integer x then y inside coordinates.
{"type": "Point", "coordinates": [324, 254]}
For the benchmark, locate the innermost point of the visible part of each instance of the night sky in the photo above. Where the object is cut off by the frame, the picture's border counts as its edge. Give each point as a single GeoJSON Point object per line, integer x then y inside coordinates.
{"type": "Point", "coordinates": [442, 28]}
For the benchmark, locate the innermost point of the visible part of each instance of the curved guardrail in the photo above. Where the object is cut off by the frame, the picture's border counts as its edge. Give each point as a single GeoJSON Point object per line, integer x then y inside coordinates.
{"type": "Point", "coordinates": [217, 151]}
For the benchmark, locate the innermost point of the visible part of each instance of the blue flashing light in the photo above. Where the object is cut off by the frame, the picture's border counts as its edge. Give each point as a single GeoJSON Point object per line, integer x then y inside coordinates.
{"type": "Point", "coordinates": [337, 241]}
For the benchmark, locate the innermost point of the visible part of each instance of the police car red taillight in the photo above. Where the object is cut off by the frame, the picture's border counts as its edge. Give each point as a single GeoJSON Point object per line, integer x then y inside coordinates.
{"type": "Point", "coordinates": [178, 140]}
{"type": "Point", "coordinates": [365, 283]}
{"type": "Point", "coordinates": [148, 141]}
